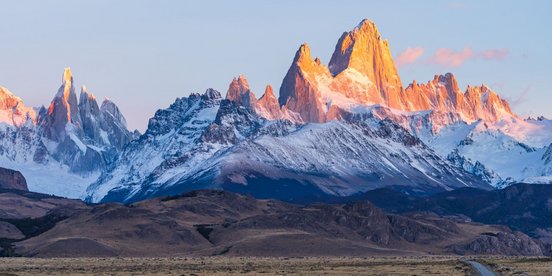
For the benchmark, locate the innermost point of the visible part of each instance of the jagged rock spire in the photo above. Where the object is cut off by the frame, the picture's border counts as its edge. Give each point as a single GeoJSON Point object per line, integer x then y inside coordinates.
{"type": "Point", "coordinates": [90, 114]}
{"type": "Point", "coordinates": [63, 109]}
{"type": "Point", "coordinates": [239, 92]}
{"type": "Point", "coordinates": [299, 91]}
{"type": "Point", "coordinates": [85, 119]}
{"type": "Point", "coordinates": [364, 50]}
{"type": "Point", "coordinates": [267, 105]}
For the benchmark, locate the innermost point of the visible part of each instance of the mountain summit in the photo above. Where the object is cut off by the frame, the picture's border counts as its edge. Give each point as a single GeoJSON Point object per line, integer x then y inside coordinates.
{"type": "Point", "coordinates": [361, 72]}
{"type": "Point", "coordinates": [63, 109]}
{"type": "Point", "coordinates": [12, 109]}
{"type": "Point", "coordinates": [64, 146]}
{"type": "Point", "coordinates": [239, 92]}
{"type": "Point", "coordinates": [365, 51]}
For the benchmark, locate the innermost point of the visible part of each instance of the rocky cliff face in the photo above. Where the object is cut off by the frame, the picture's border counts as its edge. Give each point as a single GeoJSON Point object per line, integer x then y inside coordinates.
{"type": "Point", "coordinates": [267, 105]}
{"type": "Point", "coordinates": [364, 50]}
{"type": "Point", "coordinates": [63, 110]}
{"type": "Point", "coordinates": [89, 111]}
{"type": "Point", "coordinates": [300, 92]}
{"type": "Point", "coordinates": [239, 92]}
{"type": "Point", "coordinates": [361, 72]}
{"type": "Point", "coordinates": [85, 120]}
{"type": "Point", "coordinates": [547, 156]}
{"type": "Point", "coordinates": [114, 125]}
{"type": "Point", "coordinates": [10, 179]}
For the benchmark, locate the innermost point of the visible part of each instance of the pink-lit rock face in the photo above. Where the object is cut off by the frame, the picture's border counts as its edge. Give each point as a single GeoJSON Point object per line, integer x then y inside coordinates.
{"type": "Point", "coordinates": [364, 50]}
{"type": "Point", "coordinates": [239, 92]}
{"type": "Point", "coordinates": [443, 94]}
{"type": "Point", "coordinates": [300, 90]}
{"type": "Point", "coordinates": [267, 105]}
{"type": "Point", "coordinates": [361, 72]}
{"type": "Point", "coordinates": [13, 111]}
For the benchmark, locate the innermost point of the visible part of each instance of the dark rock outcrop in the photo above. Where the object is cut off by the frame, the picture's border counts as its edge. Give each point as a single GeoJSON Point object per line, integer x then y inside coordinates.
{"type": "Point", "coordinates": [501, 243]}
{"type": "Point", "coordinates": [11, 179]}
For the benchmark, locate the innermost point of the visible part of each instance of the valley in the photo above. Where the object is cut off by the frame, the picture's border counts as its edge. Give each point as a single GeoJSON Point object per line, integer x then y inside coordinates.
{"type": "Point", "coordinates": [430, 265]}
{"type": "Point", "coordinates": [421, 265]}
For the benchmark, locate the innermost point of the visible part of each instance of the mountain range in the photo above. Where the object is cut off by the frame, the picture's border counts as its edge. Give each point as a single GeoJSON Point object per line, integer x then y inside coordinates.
{"type": "Point", "coordinates": [333, 131]}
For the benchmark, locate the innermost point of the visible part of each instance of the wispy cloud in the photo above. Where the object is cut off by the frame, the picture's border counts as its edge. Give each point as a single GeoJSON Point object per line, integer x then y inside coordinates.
{"type": "Point", "coordinates": [447, 57]}
{"type": "Point", "coordinates": [409, 56]}
{"type": "Point", "coordinates": [522, 97]}
{"type": "Point", "coordinates": [494, 54]}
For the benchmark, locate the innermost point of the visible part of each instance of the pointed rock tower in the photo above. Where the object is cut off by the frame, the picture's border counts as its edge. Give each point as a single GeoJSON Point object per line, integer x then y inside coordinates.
{"type": "Point", "coordinates": [90, 114]}
{"type": "Point", "coordinates": [363, 50]}
{"type": "Point", "coordinates": [267, 105]}
{"type": "Point", "coordinates": [299, 91]}
{"type": "Point", "coordinates": [63, 110]}
{"type": "Point", "coordinates": [87, 136]}
{"type": "Point", "coordinates": [239, 92]}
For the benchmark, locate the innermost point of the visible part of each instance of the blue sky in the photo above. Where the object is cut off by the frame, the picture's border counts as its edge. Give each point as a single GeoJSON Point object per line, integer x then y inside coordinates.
{"type": "Point", "coordinates": [144, 54]}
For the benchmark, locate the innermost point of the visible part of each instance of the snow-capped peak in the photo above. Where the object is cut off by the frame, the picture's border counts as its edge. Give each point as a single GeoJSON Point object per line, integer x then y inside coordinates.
{"type": "Point", "coordinates": [13, 111]}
